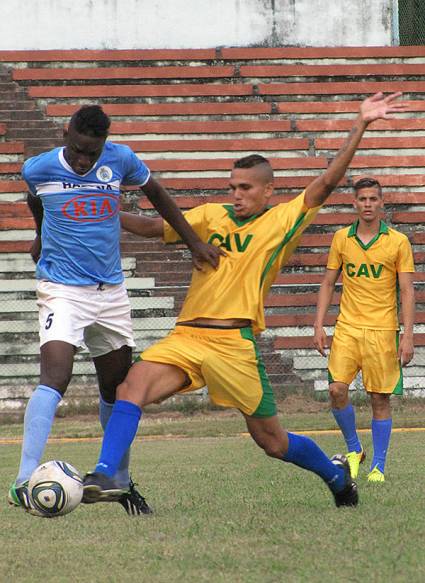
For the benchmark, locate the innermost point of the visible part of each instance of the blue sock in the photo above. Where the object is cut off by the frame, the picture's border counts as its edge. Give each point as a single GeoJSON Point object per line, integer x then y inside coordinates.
{"type": "Point", "coordinates": [381, 433]}
{"type": "Point", "coordinates": [38, 420]}
{"type": "Point", "coordinates": [122, 477]}
{"type": "Point", "coordinates": [305, 453]}
{"type": "Point", "coordinates": [346, 419]}
{"type": "Point", "coordinates": [119, 434]}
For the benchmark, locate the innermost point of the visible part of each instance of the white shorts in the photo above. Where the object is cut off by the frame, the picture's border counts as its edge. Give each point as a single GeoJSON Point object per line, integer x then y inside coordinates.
{"type": "Point", "coordinates": [97, 317]}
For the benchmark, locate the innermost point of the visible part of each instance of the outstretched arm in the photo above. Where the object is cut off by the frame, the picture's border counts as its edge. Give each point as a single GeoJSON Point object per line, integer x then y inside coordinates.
{"type": "Point", "coordinates": [324, 299]}
{"type": "Point", "coordinates": [142, 225]}
{"type": "Point", "coordinates": [371, 109]}
{"type": "Point", "coordinates": [168, 209]}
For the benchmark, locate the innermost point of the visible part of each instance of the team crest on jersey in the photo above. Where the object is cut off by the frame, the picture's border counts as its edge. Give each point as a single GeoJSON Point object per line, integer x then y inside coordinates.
{"type": "Point", "coordinates": [104, 173]}
{"type": "Point", "coordinates": [91, 208]}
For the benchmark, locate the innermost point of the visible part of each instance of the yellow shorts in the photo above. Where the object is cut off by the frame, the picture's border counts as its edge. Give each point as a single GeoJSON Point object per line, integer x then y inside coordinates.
{"type": "Point", "coordinates": [227, 361]}
{"type": "Point", "coordinates": [374, 352]}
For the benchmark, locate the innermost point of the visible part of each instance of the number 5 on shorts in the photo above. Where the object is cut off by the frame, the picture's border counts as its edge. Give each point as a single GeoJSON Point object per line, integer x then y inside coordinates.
{"type": "Point", "coordinates": [49, 321]}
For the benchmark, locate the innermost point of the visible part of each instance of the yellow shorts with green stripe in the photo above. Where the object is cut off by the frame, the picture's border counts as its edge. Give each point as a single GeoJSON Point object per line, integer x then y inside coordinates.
{"type": "Point", "coordinates": [227, 361]}
{"type": "Point", "coordinates": [374, 352]}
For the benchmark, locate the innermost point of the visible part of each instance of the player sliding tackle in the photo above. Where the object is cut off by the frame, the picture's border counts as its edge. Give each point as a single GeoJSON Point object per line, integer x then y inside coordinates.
{"type": "Point", "coordinates": [213, 342]}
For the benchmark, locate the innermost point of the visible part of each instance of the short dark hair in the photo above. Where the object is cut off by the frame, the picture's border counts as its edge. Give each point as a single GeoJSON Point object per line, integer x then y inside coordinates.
{"type": "Point", "coordinates": [367, 182]}
{"type": "Point", "coordinates": [250, 161]}
{"type": "Point", "coordinates": [91, 120]}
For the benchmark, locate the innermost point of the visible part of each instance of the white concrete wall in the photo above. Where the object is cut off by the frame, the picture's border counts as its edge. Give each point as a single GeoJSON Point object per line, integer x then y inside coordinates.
{"type": "Point", "coordinates": [335, 22]}
{"type": "Point", "coordinates": [138, 24]}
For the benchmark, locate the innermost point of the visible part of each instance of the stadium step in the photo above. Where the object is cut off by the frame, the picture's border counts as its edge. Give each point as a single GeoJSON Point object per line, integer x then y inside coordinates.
{"type": "Point", "coordinates": [164, 72]}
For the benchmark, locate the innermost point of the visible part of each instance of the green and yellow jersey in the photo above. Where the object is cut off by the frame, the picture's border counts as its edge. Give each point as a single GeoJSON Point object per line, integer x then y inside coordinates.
{"type": "Point", "coordinates": [369, 275]}
{"type": "Point", "coordinates": [256, 249]}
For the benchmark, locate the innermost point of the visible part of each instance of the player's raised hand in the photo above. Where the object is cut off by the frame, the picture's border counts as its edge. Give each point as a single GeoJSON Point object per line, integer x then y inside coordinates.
{"type": "Point", "coordinates": [380, 107]}
{"type": "Point", "coordinates": [320, 340]}
{"type": "Point", "coordinates": [205, 253]}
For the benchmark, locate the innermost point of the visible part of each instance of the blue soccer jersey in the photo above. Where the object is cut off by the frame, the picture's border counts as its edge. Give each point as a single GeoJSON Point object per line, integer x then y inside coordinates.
{"type": "Point", "coordinates": [81, 225]}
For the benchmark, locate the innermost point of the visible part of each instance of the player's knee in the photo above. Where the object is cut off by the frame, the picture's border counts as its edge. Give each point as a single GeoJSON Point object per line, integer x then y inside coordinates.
{"type": "Point", "coordinates": [127, 391]}
{"type": "Point", "coordinates": [275, 450]}
{"type": "Point", "coordinates": [123, 391]}
{"type": "Point", "coordinates": [338, 392]}
{"type": "Point", "coordinates": [272, 445]}
{"type": "Point", "coordinates": [56, 379]}
{"type": "Point", "coordinates": [381, 406]}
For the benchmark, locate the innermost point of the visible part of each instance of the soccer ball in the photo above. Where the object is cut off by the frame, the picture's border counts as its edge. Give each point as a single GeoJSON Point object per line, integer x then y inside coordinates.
{"type": "Point", "coordinates": [55, 488]}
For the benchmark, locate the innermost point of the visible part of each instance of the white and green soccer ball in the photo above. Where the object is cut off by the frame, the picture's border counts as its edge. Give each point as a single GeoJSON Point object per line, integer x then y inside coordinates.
{"type": "Point", "coordinates": [55, 488]}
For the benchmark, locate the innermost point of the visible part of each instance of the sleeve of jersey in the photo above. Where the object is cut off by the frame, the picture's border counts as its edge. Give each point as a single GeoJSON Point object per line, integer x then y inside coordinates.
{"type": "Point", "coordinates": [27, 176]}
{"type": "Point", "coordinates": [196, 219]}
{"type": "Point", "coordinates": [136, 171]}
{"type": "Point", "coordinates": [405, 262]}
{"type": "Point", "coordinates": [334, 257]}
{"type": "Point", "coordinates": [295, 217]}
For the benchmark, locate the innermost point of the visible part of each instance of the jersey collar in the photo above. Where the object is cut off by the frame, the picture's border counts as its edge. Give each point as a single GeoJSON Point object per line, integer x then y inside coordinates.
{"type": "Point", "coordinates": [240, 222]}
{"type": "Point", "coordinates": [352, 232]}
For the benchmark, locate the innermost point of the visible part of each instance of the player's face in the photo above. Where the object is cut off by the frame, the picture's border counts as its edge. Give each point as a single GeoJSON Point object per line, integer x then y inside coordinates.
{"type": "Point", "coordinates": [82, 151]}
{"type": "Point", "coordinates": [250, 190]}
{"type": "Point", "coordinates": [368, 204]}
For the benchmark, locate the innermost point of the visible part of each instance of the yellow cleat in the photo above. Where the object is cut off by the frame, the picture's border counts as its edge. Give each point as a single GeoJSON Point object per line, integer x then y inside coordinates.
{"type": "Point", "coordinates": [376, 475]}
{"type": "Point", "coordinates": [354, 461]}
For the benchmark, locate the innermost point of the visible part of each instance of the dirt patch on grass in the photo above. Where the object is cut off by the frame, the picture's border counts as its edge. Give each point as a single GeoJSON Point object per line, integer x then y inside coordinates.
{"type": "Point", "coordinates": [301, 404]}
{"type": "Point", "coordinates": [295, 403]}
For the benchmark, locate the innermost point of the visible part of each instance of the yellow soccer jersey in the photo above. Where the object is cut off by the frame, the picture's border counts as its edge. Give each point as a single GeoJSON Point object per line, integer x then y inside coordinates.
{"type": "Point", "coordinates": [369, 275]}
{"type": "Point", "coordinates": [256, 250]}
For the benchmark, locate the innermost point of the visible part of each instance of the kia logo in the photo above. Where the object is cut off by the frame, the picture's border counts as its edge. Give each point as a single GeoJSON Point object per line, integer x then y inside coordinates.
{"type": "Point", "coordinates": [91, 208]}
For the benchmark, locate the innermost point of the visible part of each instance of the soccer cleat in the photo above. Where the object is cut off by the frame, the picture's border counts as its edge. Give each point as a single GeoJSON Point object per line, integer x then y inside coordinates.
{"type": "Point", "coordinates": [348, 496]}
{"type": "Point", "coordinates": [19, 496]}
{"type": "Point", "coordinates": [376, 475]}
{"type": "Point", "coordinates": [354, 460]}
{"type": "Point", "coordinates": [98, 487]}
{"type": "Point", "coordinates": [133, 502]}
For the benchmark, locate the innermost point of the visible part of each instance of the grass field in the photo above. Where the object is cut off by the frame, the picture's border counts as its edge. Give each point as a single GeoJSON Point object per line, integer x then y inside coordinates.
{"type": "Point", "coordinates": [223, 512]}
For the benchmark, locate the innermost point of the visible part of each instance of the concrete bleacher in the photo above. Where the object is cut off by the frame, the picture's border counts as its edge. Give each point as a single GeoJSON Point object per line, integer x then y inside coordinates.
{"type": "Point", "coordinates": [189, 114]}
{"type": "Point", "coordinates": [19, 348]}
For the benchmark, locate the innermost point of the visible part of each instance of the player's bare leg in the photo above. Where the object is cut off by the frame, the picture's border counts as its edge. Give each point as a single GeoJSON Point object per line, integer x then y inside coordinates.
{"type": "Point", "coordinates": [268, 434]}
{"type": "Point", "coordinates": [111, 370]}
{"type": "Point", "coordinates": [148, 382]}
{"type": "Point", "coordinates": [305, 453]}
{"type": "Point", "coordinates": [381, 405]}
{"type": "Point", "coordinates": [56, 362]}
